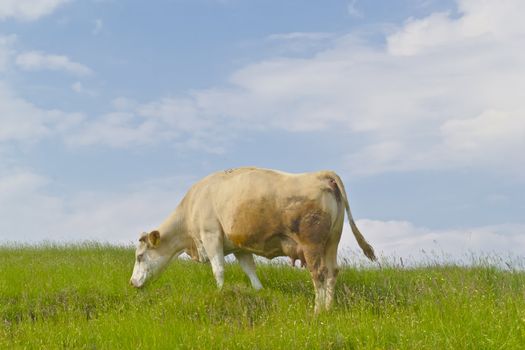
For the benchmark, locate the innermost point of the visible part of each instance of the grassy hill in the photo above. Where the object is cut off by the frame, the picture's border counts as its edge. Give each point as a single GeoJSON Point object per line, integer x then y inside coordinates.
{"type": "Point", "coordinates": [79, 297]}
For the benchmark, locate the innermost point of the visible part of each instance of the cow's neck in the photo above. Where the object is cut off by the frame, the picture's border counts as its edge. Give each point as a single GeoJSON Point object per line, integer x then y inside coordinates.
{"type": "Point", "coordinates": [173, 233]}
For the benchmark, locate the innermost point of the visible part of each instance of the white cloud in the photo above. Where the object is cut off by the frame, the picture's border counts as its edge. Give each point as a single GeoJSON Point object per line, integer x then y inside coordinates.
{"type": "Point", "coordinates": [35, 60]}
{"type": "Point", "coordinates": [116, 129]}
{"type": "Point", "coordinates": [21, 121]}
{"type": "Point", "coordinates": [19, 185]}
{"type": "Point", "coordinates": [178, 121]}
{"type": "Point", "coordinates": [170, 120]}
{"type": "Point", "coordinates": [487, 137]}
{"type": "Point", "coordinates": [28, 10]}
{"type": "Point", "coordinates": [485, 21]}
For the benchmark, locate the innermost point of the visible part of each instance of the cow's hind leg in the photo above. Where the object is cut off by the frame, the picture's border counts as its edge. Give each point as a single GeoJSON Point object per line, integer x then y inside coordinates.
{"type": "Point", "coordinates": [248, 266]}
{"type": "Point", "coordinates": [316, 265]}
{"type": "Point", "coordinates": [314, 231]}
{"type": "Point", "coordinates": [212, 243]}
{"type": "Point", "coordinates": [332, 271]}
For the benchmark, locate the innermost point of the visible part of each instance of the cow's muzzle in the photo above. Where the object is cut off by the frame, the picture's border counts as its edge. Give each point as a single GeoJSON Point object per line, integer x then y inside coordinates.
{"type": "Point", "coordinates": [135, 283]}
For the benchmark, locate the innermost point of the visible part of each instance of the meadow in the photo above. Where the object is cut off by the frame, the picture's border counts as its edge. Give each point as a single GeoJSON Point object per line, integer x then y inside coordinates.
{"type": "Point", "coordinates": [78, 297]}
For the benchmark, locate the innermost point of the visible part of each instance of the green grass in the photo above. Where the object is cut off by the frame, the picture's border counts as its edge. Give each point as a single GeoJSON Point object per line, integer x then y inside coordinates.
{"type": "Point", "coordinates": [56, 297]}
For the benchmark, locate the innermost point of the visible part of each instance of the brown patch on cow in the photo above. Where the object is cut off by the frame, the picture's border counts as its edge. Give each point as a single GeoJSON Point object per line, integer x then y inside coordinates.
{"type": "Point", "coordinates": [273, 230]}
{"type": "Point", "coordinates": [294, 226]}
{"type": "Point", "coordinates": [315, 227]}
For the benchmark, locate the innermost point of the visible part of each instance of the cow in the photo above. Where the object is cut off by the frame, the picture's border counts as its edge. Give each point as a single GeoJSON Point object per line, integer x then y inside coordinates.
{"type": "Point", "coordinates": [248, 211]}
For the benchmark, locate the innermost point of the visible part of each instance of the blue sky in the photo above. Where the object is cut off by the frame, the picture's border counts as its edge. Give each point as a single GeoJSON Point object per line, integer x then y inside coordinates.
{"type": "Point", "coordinates": [111, 109]}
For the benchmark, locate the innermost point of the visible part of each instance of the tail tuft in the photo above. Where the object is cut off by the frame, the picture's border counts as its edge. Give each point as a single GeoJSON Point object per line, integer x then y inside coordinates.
{"type": "Point", "coordinates": [365, 246]}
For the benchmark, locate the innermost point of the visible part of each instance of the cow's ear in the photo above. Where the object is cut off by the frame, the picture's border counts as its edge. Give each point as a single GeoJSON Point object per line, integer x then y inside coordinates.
{"type": "Point", "coordinates": [154, 238]}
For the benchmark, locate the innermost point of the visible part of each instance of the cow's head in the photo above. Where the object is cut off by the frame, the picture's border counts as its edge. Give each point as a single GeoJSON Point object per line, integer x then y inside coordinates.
{"type": "Point", "coordinates": [148, 259]}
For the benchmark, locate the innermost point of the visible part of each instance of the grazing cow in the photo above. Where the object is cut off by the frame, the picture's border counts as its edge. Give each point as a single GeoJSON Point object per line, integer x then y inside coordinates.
{"type": "Point", "coordinates": [249, 211]}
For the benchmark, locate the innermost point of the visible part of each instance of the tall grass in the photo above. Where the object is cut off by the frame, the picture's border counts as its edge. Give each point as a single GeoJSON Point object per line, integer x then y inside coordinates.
{"type": "Point", "coordinates": [54, 297]}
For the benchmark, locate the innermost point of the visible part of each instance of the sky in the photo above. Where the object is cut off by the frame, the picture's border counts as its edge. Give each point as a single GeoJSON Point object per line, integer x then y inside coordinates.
{"type": "Point", "coordinates": [111, 109]}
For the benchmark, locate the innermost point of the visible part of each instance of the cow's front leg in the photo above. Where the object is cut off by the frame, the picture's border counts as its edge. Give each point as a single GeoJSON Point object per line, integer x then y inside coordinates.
{"type": "Point", "coordinates": [212, 243]}
{"type": "Point", "coordinates": [248, 266]}
{"type": "Point", "coordinates": [217, 266]}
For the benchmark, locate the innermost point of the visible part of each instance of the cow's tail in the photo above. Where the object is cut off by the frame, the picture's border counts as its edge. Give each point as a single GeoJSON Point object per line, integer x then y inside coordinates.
{"type": "Point", "coordinates": [365, 246]}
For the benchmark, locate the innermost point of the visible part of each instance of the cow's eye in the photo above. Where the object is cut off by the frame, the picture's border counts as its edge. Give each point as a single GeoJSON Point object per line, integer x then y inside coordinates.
{"type": "Point", "coordinates": [140, 257]}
